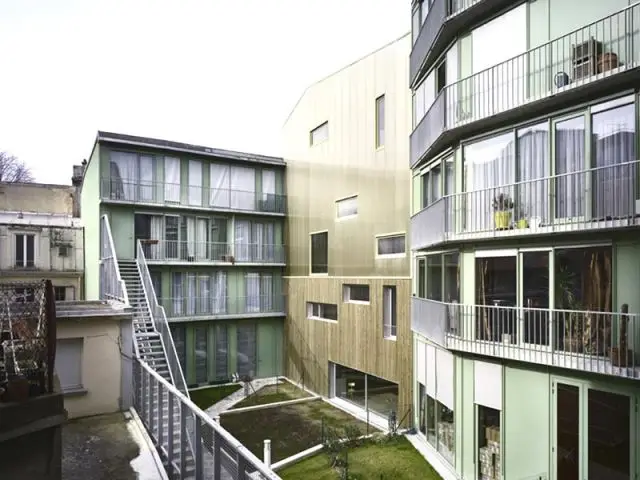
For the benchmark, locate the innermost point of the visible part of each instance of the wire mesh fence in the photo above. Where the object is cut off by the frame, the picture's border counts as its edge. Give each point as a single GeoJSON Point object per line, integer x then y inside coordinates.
{"type": "Point", "coordinates": [27, 339]}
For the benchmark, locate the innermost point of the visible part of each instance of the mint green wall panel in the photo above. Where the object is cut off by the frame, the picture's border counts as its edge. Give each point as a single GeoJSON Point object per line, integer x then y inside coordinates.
{"type": "Point", "coordinates": [466, 420]}
{"type": "Point", "coordinates": [465, 52]}
{"type": "Point", "coordinates": [568, 15]}
{"type": "Point", "coordinates": [538, 23]}
{"type": "Point", "coordinates": [627, 284]}
{"type": "Point", "coordinates": [269, 348]}
{"type": "Point", "coordinates": [458, 409]}
{"type": "Point", "coordinates": [90, 212]}
{"type": "Point", "coordinates": [105, 162]}
{"type": "Point", "coordinates": [416, 190]}
{"type": "Point", "coordinates": [467, 275]}
{"type": "Point", "coordinates": [526, 423]}
{"type": "Point", "coordinates": [122, 231]}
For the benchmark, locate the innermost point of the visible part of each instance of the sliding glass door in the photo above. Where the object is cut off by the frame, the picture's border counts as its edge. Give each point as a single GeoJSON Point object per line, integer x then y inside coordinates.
{"type": "Point", "coordinates": [535, 284]}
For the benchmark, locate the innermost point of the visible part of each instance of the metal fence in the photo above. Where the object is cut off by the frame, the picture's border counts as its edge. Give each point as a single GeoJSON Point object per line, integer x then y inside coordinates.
{"type": "Point", "coordinates": [194, 444]}
{"type": "Point", "coordinates": [212, 252]}
{"type": "Point", "coordinates": [112, 286]}
{"type": "Point", "coordinates": [27, 338]}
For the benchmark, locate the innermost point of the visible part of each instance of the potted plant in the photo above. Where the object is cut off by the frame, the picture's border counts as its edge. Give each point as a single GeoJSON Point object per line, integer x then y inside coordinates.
{"type": "Point", "coordinates": [502, 207]}
{"type": "Point", "coordinates": [574, 319]}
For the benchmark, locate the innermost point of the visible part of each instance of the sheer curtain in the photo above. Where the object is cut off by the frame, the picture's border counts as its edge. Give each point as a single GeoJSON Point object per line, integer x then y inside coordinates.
{"type": "Point", "coordinates": [157, 229]}
{"type": "Point", "coordinates": [243, 188]}
{"type": "Point", "coordinates": [242, 231]}
{"type": "Point", "coordinates": [195, 182]}
{"type": "Point", "coordinates": [570, 159]}
{"type": "Point", "coordinates": [124, 175]}
{"type": "Point", "coordinates": [190, 237]}
{"type": "Point", "coordinates": [172, 179]}
{"type": "Point", "coordinates": [257, 242]}
{"type": "Point", "coordinates": [488, 164]}
{"type": "Point", "coordinates": [252, 288]}
{"type": "Point", "coordinates": [219, 292]}
{"type": "Point", "coordinates": [219, 185]}
{"type": "Point", "coordinates": [204, 298]}
{"type": "Point", "coordinates": [533, 173]}
{"type": "Point", "coordinates": [268, 190]}
{"type": "Point", "coordinates": [266, 292]}
{"type": "Point", "coordinates": [191, 294]}
{"type": "Point", "coordinates": [202, 228]}
{"type": "Point", "coordinates": [146, 178]}
{"type": "Point", "coordinates": [614, 144]}
{"type": "Point", "coordinates": [177, 294]}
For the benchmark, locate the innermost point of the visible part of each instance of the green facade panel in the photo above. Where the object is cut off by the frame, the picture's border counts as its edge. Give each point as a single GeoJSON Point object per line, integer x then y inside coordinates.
{"type": "Point", "coordinates": [90, 211]}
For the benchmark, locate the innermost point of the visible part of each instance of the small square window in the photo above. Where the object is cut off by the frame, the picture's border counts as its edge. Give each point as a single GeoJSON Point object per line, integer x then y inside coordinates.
{"type": "Point", "coordinates": [347, 207]}
{"type": "Point", "coordinates": [355, 293]}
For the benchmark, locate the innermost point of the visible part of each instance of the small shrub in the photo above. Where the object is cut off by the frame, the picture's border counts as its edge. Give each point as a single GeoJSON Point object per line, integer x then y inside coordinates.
{"type": "Point", "coordinates": [352, 434]}
{"type": "Point", "coordinates": [333, 446]}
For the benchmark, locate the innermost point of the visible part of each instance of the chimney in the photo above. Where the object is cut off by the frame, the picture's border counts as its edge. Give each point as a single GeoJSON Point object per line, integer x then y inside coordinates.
{"type": "Point", "coordinates": [76, 181]}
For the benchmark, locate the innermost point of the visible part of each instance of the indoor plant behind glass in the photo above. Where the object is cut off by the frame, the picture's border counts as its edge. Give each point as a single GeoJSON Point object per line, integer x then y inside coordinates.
{"type": "Point", "coordinates": [503, 211]}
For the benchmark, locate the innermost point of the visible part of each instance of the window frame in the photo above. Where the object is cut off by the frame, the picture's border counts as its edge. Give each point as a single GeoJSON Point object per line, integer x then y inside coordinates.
{"type": "Point", "coordinates": [24, 263]}
{"type": "Point", "coordinates": [311, 266]}
{"type": "Point", "coordinates": [324, 126]}
{"type": "Point", "coordinates": [319, 315]}
{"type": "Point", "coordinates": [384, 236]}
{"type": "Point", "coordinates": [380, 121]}
{"type": "Point", "coordinates": [347, 290]}
{"type": "Point", "coordinates": [348, 216]}
{"type": "Point", "coordinates": [390, 323]}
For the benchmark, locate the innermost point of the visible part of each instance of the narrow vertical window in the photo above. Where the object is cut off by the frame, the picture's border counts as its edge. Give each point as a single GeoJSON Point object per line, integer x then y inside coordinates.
{"type": "Point", "coordinates": [380, 121]}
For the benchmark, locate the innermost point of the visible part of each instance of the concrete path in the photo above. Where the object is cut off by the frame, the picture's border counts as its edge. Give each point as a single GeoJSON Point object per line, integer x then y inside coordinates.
{"type": "Point", "coordinates": [228, 402]}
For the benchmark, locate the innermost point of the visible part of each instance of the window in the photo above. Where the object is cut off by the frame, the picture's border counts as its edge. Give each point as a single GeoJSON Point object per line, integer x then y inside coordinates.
{"type": "Point", "coordinates": [64, 293]}
{"type": "Point", "coordinates": [25, 250]}
{"type": "Point", "coordinates": [172, 179]}
{"type": "Point", "coordinates": [380, 121]}
{"type": "Point", "coordinates": [319, 134]}
{"type": "Point", "coordinates": [355, 293]}
{"type": "Point", "coordinates": [347, 207]}
{"type": "Point", "coordinates": [389, 319]}
{"type": "Point", "coordinates": [320, 252]}
{"type": "Point", "coordinates": [23, 295]}
{"type": "Point", "coordinates": [367, 391]}
{"type": "Point", "coordinates": [178, 333]}
{"type": "Point", "coordinates": [201, 351]}
{"type": "Point", "coordinates": [195, 182]}
{"type": "Point", "coordinates": [69, 364]}
{"type": "Point", "coordinates": [324, 311]}
{"type": "Point", "coordinates": [434, 184]}
{"type": "Point", "coordinates": [391, 245]}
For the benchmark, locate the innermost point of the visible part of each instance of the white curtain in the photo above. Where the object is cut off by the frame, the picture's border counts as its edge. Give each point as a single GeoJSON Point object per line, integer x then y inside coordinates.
{"type": "Point", "coordinates": [242, 230]}
{"type": "Point", "coordinates": [195, 182]}
{"type": "Point", "coordinates": [533, 173]}
{"type": "Point", "coordinates": [219, 185]}
{"type": "Point", "coordinates": [177, 294]}
{"type": "Point", "coordinates": [157, 229]}
{"type": "Point", "coordinates": [269, 189]}
{"type": "Point", "coordinates": [204, 298]}
{"type": "Point", "coordinates": [191, 237]}
{"type": "Point", "coordinates": [172, 179]}
{"type": "Point", "coordinates": [570, 159]}
{"type": "Point", "coordinates": [266, 293]}
{"type": "Point", "coordinates": [191, 294]}
{"type": "Point", "coordinates": [243, 188]}
{"type": "Point", "coordinates": [146, 178]}
{"type": "Point", "coordinates": [257, 242]}
{"type": "Point", "coordinates": [252, 288]}
{"type": "Point", "coordinates": [219, 294]}
{"type": "Point", "coordinates": [201, 238]}
{"type": "Point", "coordinates": [124, 175]}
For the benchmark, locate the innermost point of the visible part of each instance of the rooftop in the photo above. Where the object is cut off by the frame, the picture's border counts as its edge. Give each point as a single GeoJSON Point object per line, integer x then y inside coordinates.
{"type": "Point", "coordinates": [89, 308]}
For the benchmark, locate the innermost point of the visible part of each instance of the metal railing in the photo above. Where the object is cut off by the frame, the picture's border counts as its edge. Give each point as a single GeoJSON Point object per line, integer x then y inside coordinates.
{"type": "Point", "coordinates": [598, 198]}
{"type": "Point", "coordinates": [611, 46]}
{"type": "Point", "coordinates": [183, 433]}
{"type": "Point", "coordinates": [189, 306]}
{"type": "Point", "coordinates": [112, 286]}
{"type": "Point", "coordinates": [591, 341]}
{"type": "Point", "coordinates": [160, 323]}
{"type": "Point", "coordinates": [212, 252]}
{"type": "Point", "coordinates": [164, 193]}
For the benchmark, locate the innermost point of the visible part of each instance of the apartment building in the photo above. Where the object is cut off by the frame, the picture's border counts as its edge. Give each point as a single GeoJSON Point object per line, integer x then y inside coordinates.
{"type": "Point", "coordinates": [209, 225]}
{"type": "Point", "coordinates": [347, 332]}
{"type": "Point", "coordinates": [524, 237]}
{"type": "Point", "coordinates": [41, 237]}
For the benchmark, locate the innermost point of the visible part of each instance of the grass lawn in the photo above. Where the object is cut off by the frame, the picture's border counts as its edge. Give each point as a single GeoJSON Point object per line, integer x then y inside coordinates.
{"type": "Point", "coordinates": [395, 460]}
{"type": "Point", "coordinates": [205, 397]}
{"type": "Point", "coordinates": [272, 394]}
{"type": "Point", "coordinates": [291, 428]}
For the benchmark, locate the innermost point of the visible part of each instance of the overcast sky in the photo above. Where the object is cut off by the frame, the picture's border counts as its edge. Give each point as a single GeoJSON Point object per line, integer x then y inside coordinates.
{"type": "Point", "coordinates": [220, 73]}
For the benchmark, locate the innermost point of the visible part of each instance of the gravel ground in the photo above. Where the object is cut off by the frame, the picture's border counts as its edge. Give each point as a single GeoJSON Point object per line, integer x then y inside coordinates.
{"type": "Point", "coordinates": [98, 448]}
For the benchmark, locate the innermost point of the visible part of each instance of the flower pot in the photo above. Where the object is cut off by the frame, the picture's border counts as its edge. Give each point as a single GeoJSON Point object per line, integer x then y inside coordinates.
{"type": "Point", "coordinates": [523, 223]}
{"type": "Point", "coordinates": [607, 61]}
{"type": "Point", "coordinates": [502, 219]}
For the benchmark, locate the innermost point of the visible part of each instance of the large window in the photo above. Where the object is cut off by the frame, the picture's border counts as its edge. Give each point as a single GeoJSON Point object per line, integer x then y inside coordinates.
{"type": "Point", "coordinates": [232, 187]}
{"type": "Point", "coordinates": [25, 250]}
{"type": "Point", "coordinates": [439, 277]}
{"type": "Point", "coordinates": [131, 176]}
{"type": "Point", "coordinates": [201, 353]}
{"type": "Point", "coordinates": [320, 252]}
{"type": "Point", "coordinates": [489, 458]}
{"type": "Point", "coordinates": [246, 360]}
{"type": "Point", "coordinates": [366, 391]}
{"type": "Point", "coordinates": [437, 180]}
{"type": "Point", "coordinates": [380, 121]}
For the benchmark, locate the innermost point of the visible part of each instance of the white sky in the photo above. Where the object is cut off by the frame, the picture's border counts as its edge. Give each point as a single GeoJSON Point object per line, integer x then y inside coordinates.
{"type": "Point", "coordinates": [220, 73]}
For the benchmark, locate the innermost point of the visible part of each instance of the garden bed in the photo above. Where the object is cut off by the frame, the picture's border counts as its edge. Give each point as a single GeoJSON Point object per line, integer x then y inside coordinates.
{"type": "Point", "coordinates": [291, 428]}
{"type": "Point", "coordinates": [280, 392]}
{"type": "Point", "coordinates": [394, 459]}
{"type": "Point", "coordinates": [205, 397]}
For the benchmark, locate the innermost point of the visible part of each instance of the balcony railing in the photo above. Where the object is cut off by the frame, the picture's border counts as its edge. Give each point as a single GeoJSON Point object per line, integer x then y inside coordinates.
{"type": "Point", "coordinates": [181, 431]}
{"type": "Point", "coordinates": [175, 194]}
{"type": "Point", "coordinates": [112, 286]}
{"type": "Point", "coordinates": [599, 50]}
{"type": "Point", "coordinates": [599, 198]}
{"type": "Point", "coordinates": [212, 252]}
{"type": "Point", "coordinates": [597, 342]}
{"type": "Point", "coordinates": [223, 306]}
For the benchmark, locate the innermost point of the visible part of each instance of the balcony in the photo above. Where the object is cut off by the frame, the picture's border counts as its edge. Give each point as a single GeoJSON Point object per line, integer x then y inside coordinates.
{"type": "Point", "coordinates": [591, 62]}
{"type": "Point", "coordinates": [603, 198]}
{"type": "Point", "coordinates": [445, 20]}
{"type": "Point", "coordinates": [597, 342]}
{"type": "Point", "coordinates": [209, 253]}
{"type": "Point", "coordinates": [116, 190]}
{"type": "Point", "coordinates": [224, 306]}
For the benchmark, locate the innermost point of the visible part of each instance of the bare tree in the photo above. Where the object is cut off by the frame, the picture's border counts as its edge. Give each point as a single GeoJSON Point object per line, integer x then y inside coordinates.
{"type": "Point", "coordinates": [13, 170]}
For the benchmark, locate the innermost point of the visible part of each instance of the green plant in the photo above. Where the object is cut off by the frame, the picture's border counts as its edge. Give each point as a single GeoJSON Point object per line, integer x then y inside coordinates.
{"type": "Point", "coordinates": [352, 435]}
{"type": "Point", "coordinates": [502, 203]}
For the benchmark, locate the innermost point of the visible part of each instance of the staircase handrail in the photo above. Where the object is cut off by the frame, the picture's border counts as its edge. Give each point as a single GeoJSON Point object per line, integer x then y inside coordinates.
{"type": "Point", "coordinates": [121, 286]}
{"type": "Point", "coordinates": [160, 322]}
